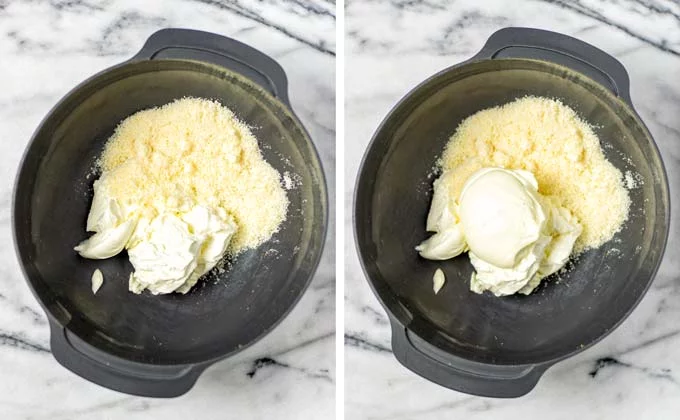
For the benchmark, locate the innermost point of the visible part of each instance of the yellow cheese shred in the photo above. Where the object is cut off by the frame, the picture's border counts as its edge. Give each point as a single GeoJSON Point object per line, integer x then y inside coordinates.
{"type": "Point", "coordinates": [196, 151]}
{"type": "Point", "coordinates": [548, 138]}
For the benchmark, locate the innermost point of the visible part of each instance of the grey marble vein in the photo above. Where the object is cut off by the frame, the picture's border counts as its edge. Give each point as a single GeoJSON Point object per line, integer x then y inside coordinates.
{"type": "Point", "coordinates": [423, 411]}
{"type": "Point", "coordinates": [243, 10]}
{"type": "Point", "coordinates": [15, 341]}
{"type": "Point", "coordinates": [264, 362]}
{"type": "Point", "coordinates": [584, 9]}
{"type": "Point", "coordinates": [94, 409]}
{"type": "Point", "coordinates": [608, 362]}
{"type": "Point", "coordinates": [354, 340]}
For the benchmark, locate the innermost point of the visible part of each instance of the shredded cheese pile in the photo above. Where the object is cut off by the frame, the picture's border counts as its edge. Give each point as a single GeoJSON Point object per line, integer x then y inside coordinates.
{"type": "Point", "coordinates": [195, 151]}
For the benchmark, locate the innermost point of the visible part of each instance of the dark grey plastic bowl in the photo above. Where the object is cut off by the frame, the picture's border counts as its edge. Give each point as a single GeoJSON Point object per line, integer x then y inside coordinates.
{"type": "Point", "coordinates": [481, 344]}
{"type": "Point", "coordinates": [159, 345]}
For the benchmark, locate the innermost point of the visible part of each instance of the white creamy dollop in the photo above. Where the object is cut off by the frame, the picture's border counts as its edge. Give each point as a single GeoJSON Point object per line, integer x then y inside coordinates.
{"type": "Point", "coordinates": [514, 235]}
{"type": "Point", "coordinates": [169, 250]}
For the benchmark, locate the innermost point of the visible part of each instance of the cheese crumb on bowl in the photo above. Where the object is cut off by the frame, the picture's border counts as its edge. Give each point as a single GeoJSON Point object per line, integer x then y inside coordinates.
{"type": "Point", "coordinates": [181, 186]}
{"type": "Point", "coordinates": [97, 280]}
{"type": "Point", "coordinates": [521, 189]}
{"type": "Point", "coordinates": [438, 280]}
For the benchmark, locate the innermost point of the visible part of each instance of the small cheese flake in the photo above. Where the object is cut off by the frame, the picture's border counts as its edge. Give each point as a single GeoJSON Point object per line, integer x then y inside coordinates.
{"type": "Point", "coordinates": [633, 180]}
{"type": "Point", "coordinates": [97, 280]}
{"type": "Point", "coordinates": [438, 280]}
{"type": "Point", "coordinates": [287, 181]}
{"type": "Point", "coordinates": [195, 151]}
{"type": "Point", "coordinates": [547, 138]}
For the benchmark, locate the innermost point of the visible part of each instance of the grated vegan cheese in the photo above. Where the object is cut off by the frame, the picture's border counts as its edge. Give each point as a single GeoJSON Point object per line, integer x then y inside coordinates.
{"type": "Point", "coordinates": [547, 138]}
{"type": "Point", "coordinates": [196, 150]}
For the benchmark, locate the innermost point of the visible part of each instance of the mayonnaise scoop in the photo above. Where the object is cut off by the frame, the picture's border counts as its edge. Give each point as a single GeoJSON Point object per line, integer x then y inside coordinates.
{"type": "Point", "coordinates": [514, 235]}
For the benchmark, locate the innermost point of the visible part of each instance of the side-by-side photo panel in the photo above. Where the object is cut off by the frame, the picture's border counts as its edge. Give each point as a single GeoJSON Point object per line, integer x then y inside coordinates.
{"type": "Point", "coordinates": [170, 249]}
{"type": "Point", "coordinates": [508, 208]}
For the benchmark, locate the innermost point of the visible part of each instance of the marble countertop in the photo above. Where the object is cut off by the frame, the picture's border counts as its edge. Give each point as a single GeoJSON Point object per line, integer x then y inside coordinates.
{"type": "Point", "coordinates": [392, 46]}
{"type": "Point", "coordinates": [47, 47]}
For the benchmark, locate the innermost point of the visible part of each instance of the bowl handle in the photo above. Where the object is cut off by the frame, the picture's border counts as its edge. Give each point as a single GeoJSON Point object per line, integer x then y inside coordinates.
{"type": "Point", "coordinates": [189, 44]}
{"type": "Point", "coordinates": [559, 49]}
{"type": "Point", "coordinates": [164, 381]}
{"type": "Point", "coordinates": [428, 361]}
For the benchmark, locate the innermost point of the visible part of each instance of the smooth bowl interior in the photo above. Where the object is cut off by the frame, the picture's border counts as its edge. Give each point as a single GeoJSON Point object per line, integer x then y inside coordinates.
{"type": "Point", "coordinates": [225, 311]}
{"type": "Point", "coordinates": [393, 198]}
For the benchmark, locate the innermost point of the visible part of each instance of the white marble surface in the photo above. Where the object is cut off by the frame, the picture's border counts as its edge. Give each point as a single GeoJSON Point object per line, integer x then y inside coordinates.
{"type": "Point", "coordinates": [392, 46]}
{"type": "Point", "coordinates": [47, 47]}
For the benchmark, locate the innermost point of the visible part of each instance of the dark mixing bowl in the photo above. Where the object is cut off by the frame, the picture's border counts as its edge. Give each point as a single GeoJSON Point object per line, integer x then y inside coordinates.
{"type": "Point", "coordinates": [158, 345]}
{"type": "Point", "coordinates": [482, 344]}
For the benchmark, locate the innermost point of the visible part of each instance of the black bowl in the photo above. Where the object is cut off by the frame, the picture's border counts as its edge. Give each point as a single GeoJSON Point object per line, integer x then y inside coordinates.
{"type": "Point", "coordinates": [482, 344]}
{"type": "Point", "coordinates": [158, 345]}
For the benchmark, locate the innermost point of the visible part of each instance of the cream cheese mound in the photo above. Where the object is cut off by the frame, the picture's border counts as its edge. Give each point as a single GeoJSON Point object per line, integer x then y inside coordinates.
{"type": "Point", "coordinates": [514, 236]}
{"type": "Point", "coordinates": [169, 251]}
